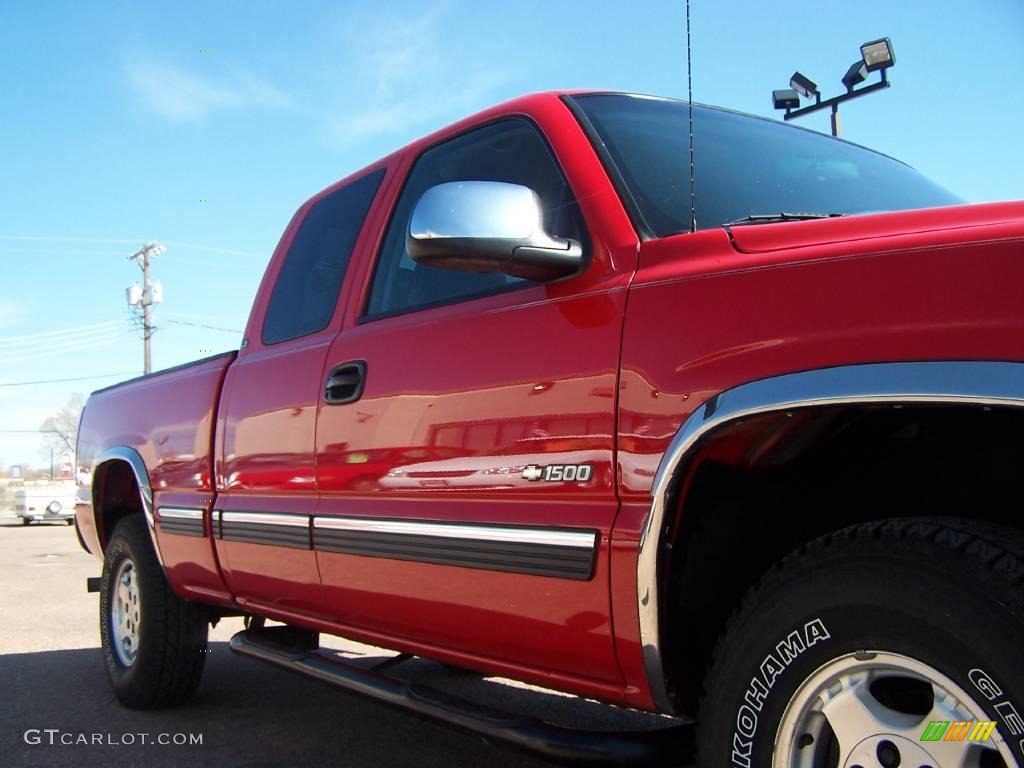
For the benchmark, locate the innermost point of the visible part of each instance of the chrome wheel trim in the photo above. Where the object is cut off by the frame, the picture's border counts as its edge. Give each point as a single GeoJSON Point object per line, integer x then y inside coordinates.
{"type": "Point", "coordinates": [125, 613]}
{"type": "Point", "coordinates": [837, 696]}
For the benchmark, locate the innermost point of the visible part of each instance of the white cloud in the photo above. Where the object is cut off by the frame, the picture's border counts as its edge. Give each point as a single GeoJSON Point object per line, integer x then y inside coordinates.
{"type": "Point", "coordinates": [403, 75]}
{"type": "Point", "coordinates": [9, 313]}
{"type": "Point", "coordinates": [185, 97]}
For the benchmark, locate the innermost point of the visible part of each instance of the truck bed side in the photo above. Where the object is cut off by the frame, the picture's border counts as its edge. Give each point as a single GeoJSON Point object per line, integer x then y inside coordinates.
{"type": "Point", "coordinates": [155, 433]}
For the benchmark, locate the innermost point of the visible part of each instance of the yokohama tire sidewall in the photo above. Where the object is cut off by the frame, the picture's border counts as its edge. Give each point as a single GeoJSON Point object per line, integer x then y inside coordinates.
{"type": "Point", "coordinates": [802, 624]}
{"type": "Point", "coordinates": [132, 683]}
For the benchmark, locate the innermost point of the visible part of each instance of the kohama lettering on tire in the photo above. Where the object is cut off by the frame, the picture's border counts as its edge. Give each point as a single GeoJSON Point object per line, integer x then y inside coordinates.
{"type": "Point", "coordinates": [1012, 721]}
{"type": "Point", "coordinates": [773, 665]}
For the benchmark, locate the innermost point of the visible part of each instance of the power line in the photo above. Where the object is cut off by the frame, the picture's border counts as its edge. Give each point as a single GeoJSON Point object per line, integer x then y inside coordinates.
{"type": "Point", "coordinates": [202, 247]}
{"type": "Point", "coordinates": [76, 378]}
{"type": "Point", "coordinates": [200, 325]}
{"type": "Point", "coordinates": [29, 432]}
{"type": "Point", "coordinates": [89, 329]}
{"type": "Point", "coordinates": [59, 349]}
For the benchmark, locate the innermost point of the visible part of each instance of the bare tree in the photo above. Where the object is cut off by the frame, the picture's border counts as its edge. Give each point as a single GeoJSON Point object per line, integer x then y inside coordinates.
{"type": "Point", "coordinates": [60, 431]}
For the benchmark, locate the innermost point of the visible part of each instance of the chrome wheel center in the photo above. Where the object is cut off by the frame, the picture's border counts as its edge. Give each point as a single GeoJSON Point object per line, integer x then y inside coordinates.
{"type": "Point", "coordinates": [125, 613]}
{"type": "Point", "coordinates": [889, 751]}
{"type": "Point", "coordinates": [872, 710]}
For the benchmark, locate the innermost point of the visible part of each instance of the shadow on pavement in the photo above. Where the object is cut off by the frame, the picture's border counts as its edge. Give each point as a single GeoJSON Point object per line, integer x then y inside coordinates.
{"type": "Point", "coordinates": [248, 714]}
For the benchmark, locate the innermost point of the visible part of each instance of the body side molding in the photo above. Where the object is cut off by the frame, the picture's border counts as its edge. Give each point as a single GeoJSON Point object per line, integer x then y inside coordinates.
{"type": "Point", "coordinates": [953, 382]}
{"type": "Point", "coordinates": [267, 528]}
{"type": "Point", "coordinates": [182, 521]}
{"type": "Point", "coordinates": [566, 553]}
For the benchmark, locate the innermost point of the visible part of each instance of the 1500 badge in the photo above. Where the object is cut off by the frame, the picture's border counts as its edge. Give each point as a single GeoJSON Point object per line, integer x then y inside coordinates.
{"type": "Point", "coordinates": [559, 473]}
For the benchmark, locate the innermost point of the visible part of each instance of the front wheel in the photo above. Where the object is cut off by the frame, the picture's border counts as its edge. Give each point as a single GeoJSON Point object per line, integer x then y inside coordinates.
{"type": "Point", "coordinates": [888, 644]}
{"type": "Point", "coordinates": [154, 643]}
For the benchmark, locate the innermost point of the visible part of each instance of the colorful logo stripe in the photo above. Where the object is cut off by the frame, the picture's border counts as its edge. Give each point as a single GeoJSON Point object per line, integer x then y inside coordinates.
{"type": "Point", "coordinates": [958, 730]}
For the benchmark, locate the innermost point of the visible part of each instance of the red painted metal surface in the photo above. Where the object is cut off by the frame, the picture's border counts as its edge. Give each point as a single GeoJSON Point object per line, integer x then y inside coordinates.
{"type": "Point", "coordinates": [459, 398]}
{"type": "Point", "coordinates": [727, 317]}
{"type": "Point", "coordinates": [189, 560]}
{"type": "Point", "coordinates": [168, 420]}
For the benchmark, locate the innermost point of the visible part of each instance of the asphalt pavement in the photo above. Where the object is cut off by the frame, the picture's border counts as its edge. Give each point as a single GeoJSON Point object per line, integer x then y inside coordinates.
{"type": "Point", "coordinates": [56, 708]}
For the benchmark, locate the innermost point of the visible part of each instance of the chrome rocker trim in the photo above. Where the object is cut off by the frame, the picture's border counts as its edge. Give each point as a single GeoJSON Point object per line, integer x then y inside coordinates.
{"type": "Point", "coordinates": [482, 532]}
{"type": "Point", "coordinates": [964, 382]}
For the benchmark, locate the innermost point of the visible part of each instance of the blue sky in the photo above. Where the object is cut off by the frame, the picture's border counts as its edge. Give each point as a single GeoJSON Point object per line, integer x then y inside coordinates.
{"type": "Point", "coordinates": [120, 118]}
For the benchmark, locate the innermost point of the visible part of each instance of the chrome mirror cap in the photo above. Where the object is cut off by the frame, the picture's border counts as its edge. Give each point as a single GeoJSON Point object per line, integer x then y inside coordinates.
{"type": "Point", "coordinates": [487, 226]}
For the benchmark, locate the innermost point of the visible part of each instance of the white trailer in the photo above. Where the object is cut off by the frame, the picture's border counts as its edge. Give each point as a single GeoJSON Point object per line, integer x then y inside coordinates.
{"type": "Point", "coordinates": [45, 502]}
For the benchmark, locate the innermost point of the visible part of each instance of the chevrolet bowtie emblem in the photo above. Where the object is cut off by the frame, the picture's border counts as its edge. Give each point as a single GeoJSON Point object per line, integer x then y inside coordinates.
{"type": "Point", "coordinates": [533, 472]}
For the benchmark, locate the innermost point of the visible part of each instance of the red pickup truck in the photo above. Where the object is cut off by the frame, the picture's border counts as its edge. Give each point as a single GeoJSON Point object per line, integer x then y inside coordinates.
{"type": "Point", "coordinates": [525, 397]}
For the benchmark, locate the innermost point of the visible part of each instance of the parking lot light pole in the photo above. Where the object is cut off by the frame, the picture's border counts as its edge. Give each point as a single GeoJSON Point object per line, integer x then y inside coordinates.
{"type": "Point", "coordinates": [876, 56]}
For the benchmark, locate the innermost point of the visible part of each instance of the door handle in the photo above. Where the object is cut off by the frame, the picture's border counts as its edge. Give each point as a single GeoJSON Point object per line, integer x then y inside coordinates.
{"type": "Point", "coordinates": [345, 383]}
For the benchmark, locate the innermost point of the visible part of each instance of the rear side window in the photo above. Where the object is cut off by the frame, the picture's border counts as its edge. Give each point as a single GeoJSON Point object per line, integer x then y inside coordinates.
{"type": "Point", "coordinates": [307, 287]}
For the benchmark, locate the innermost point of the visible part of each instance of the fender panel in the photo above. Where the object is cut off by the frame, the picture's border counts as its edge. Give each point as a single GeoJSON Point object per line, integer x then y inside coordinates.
{"type": "Point", "coordinates": [952, 382]}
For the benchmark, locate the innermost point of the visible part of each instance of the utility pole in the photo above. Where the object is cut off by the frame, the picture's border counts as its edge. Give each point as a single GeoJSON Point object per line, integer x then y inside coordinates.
{"type": "Point", "coordinates": [142, 298]}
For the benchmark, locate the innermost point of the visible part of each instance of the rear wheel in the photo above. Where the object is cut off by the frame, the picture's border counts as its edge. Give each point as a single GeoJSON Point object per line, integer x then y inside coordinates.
{"type": "Point", "coordinates": [154, 643]}
{"type": "Point", "coordinates": [888, 644]}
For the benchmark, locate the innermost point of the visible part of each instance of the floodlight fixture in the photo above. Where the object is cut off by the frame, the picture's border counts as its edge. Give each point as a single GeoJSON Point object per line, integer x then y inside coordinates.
{"type": "Point", "coordinates": [875, 56]}
{"type": "Point", "coordinates": [803, 85]}
{"type": "Point", "coordinates": [878, 54]}
{"type": "Point", "coordinates": [856, 74]}
{"type": "Point", "coordinates": [785, 99]}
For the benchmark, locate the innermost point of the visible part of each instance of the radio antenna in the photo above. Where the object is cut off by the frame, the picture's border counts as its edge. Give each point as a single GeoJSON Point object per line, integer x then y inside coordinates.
{"type": "Point", "coordinates": [689, 101]}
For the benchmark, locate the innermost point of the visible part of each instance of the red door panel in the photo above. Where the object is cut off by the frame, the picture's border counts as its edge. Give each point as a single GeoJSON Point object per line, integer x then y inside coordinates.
{"type": "Point", "coordinates": [268, 467]}
{"type": "Point", "coordinates": [458, 402]}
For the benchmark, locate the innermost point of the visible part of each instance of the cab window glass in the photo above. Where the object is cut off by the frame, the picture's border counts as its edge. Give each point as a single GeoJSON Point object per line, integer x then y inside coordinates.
{"type": "Point", "coordinates": [306, 291]}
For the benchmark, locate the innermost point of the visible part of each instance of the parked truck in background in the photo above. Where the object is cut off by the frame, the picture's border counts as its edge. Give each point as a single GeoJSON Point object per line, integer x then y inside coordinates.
{"type": "Point", "coordinates": [527, 398]}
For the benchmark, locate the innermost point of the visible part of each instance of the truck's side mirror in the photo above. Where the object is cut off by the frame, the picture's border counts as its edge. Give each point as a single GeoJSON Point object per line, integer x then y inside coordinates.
{"type": "Point", "coordinates": [483, 226]}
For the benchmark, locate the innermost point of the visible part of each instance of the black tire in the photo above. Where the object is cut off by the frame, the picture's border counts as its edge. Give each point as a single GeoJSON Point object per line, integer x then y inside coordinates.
{"type": "Point", "coordinates": [946, 594]}
{"type": "Point", "coordinates": [171, 632]}
{"type": "Point", "coordinates": [70, 521]}
{"type": "Point", "coordinates": [26, 521]}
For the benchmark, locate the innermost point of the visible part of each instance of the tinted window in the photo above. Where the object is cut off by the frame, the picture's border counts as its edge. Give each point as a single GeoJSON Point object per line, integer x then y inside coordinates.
{"type": "Point", "coordinates": [744, 166]}
{"type": "Point", "coordinates": [511, 151]}
{"type": "Point", "coordinates": [307, 287]}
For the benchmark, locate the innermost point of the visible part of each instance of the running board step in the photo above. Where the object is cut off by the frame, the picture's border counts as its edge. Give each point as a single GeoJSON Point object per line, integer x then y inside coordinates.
{"type": "Point", "coordinates": [663, 747]}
